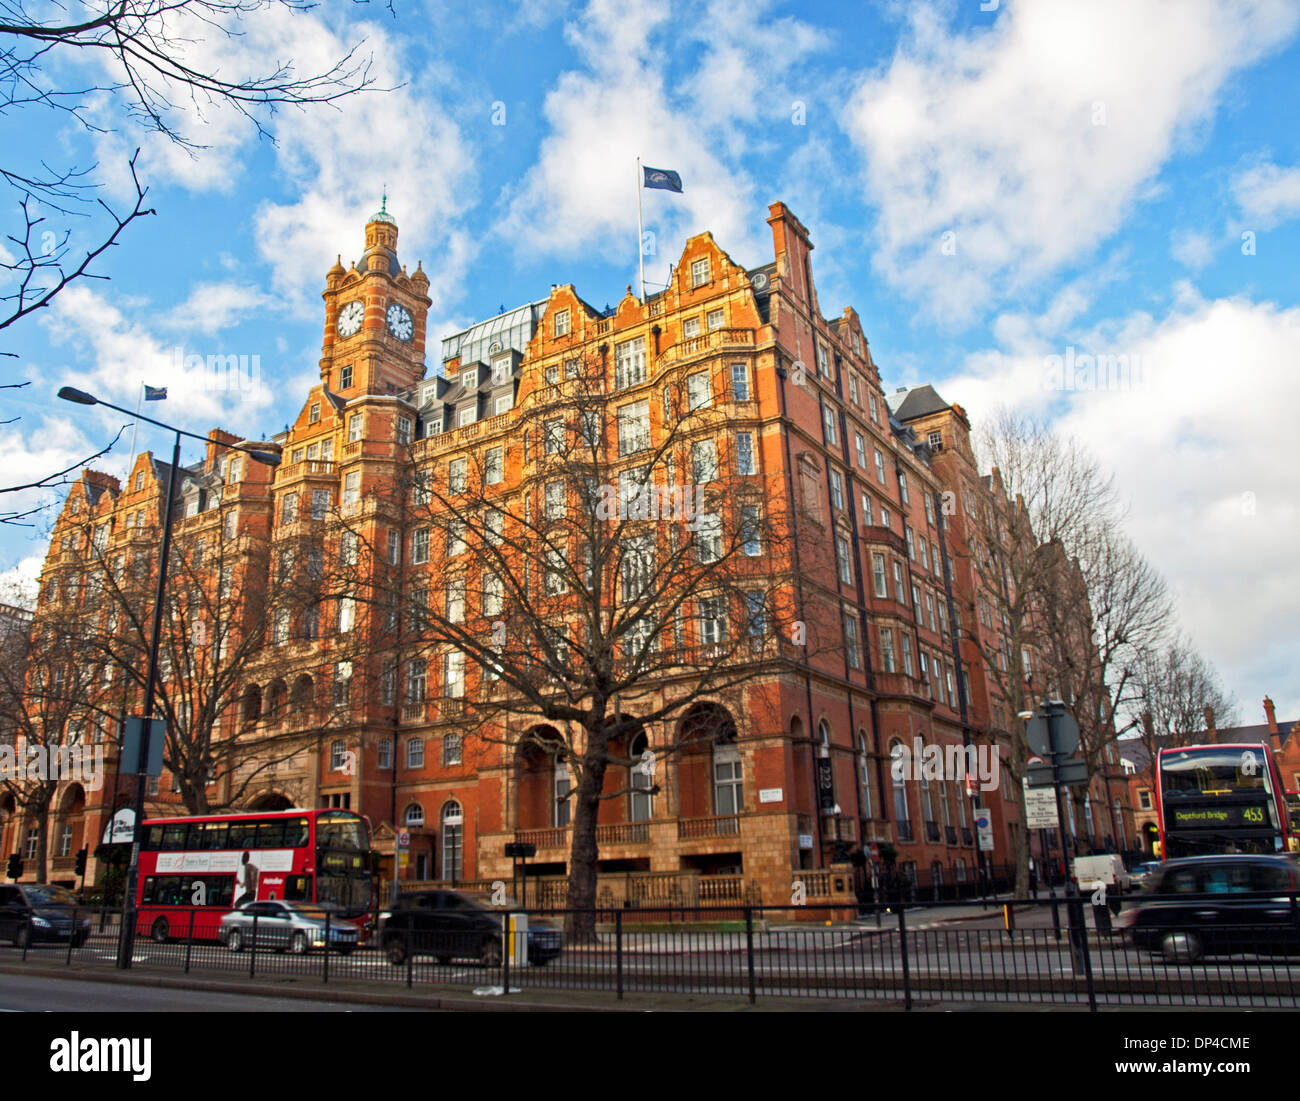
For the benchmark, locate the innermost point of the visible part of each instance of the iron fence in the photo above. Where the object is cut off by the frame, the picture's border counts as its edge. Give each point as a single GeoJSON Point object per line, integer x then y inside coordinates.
{"type": "Point", "coordinates": [1013, 954]}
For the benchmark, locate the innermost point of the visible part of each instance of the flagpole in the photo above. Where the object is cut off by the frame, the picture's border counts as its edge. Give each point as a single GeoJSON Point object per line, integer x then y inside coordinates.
{"type": "Point", "coordinates": [640, 232]}
{"type": "Point", "coordinates": [134, 425]}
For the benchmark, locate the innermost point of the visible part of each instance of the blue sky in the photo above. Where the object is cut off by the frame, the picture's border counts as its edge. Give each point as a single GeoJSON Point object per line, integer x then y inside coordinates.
{"type": "Point", "coordinates": [988, 188]}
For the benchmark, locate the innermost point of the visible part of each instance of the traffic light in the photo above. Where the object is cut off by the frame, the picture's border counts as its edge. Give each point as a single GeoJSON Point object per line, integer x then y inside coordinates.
{"type": "Point", "coordinates": [15, 866]}
{"type": "Point", "coordinates": [80, 866]}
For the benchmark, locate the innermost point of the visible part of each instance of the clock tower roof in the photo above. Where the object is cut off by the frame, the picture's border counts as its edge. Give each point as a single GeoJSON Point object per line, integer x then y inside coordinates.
{"type": "Point", "coordinates": [382, 215]}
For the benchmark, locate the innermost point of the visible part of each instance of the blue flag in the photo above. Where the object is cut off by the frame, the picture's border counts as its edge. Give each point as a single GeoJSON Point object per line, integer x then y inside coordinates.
{"type": "Point", "coordinates": [155, 393]}
{"type": "Point", "coordinates": [663, 179]}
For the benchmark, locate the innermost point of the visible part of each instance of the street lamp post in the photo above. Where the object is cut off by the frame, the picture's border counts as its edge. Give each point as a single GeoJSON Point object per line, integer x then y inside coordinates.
{"type": "Point", "coordinates": [126, 944]}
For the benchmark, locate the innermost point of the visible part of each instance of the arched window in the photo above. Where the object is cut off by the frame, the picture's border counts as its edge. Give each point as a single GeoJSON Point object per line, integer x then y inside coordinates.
{"type": "Point", "coordinates": [453, 841]}
{"type": "Point", "coordinates": [902, 815]}
{"type": "Point", "coordinates": [864, 774]}
{"type": "Point", "coordinates": [639, 800]}
{"type": "Point", "coordinates": [415, 816]}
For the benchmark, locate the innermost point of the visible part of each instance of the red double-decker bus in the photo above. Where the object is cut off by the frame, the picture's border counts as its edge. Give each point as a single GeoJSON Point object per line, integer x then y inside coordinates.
{"type": "Point", "coordinates": [1215, 799]}
{"type": "Point", "coordinates": [205, 866]}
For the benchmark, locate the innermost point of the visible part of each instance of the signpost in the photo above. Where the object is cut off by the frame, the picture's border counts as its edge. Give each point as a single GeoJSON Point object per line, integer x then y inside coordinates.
{"type": "Point", "coordinates": [1040, 808]}
{"type": "Point", "coordinates": [984, 828]}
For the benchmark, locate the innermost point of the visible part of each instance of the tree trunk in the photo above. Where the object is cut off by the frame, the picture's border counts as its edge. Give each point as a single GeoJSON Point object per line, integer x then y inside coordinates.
{"type": "Point", "coordinates": [581, 927]}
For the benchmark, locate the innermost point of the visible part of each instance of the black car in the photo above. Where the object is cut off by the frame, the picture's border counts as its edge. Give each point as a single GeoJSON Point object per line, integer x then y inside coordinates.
{"type": "Point", "coordinates": [459, 925]}
{"type": "Point", "coordinates": [1217, 905]}
{"type": "Point", "coordinates": [33, 912]}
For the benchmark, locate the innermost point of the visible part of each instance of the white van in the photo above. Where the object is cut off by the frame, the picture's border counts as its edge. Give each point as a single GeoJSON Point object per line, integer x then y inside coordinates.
{"type": "Point", "coordinates": [1107, 868]}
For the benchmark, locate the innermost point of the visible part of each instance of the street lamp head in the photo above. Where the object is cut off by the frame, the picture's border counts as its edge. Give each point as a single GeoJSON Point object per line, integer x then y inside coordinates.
{"type": "Point", "coordinates": [1026, 715]}
{"type": "Point", "coordinates": [270, 458]}
{"type": "Point", "coordinates": [68, 393]}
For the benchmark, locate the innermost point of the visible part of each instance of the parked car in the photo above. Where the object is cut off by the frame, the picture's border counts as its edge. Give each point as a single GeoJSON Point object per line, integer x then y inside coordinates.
{"type": "Point", "coordinates": [1217, 905]}
{"type": "Point", "coordinates": [1142, 872]}
{"type": "Point", "coordinates": [286, 925]}
{"type": "Point", "coordinates": [459, 925]}
{"type": "Point", "coordinates": [40, 911]}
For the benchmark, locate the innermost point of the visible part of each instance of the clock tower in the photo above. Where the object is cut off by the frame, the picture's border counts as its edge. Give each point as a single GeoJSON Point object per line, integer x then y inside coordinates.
{"type": "Point", "coordinates": [375, 318]}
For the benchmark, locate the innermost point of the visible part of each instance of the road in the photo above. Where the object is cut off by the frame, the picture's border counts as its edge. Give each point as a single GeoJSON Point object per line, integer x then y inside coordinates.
{"type": "Point", "coordinates": [39, 994]}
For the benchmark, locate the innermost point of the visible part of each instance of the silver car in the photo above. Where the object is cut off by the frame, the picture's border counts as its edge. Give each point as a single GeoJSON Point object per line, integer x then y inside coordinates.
{"type": "Point", "coordinates": [297, 927]}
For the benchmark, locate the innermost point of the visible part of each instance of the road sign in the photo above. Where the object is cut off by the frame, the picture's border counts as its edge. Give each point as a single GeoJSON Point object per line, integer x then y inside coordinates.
{"type": "Point", "coordinates": [519, 850]}
{"type": "Point", "coordinates": [404, 839]}
{"type": "Point", "coordinates": [1040, 808]}
{"type": "Point", "coordinates": [1067, 734]}
{"type": "Point", "coordinates": [984, 827]}
{"type": "Point", "coordinates": [131, 745]}
{"type": "Point", "coordinates": [874, 849]}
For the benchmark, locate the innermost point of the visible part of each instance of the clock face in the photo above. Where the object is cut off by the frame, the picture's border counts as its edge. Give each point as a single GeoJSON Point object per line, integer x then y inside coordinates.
{"type": "Point", "coordinates": [350, 318]}
{"type": "Point", "coordinates": [400, 323]}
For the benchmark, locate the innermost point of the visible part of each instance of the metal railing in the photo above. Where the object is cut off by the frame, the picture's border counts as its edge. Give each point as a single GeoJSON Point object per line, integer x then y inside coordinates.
{"type": "Point", "coordinates": [943, 954]}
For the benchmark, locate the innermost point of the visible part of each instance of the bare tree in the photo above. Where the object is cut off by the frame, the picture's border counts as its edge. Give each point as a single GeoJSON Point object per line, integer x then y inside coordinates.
{"type": "Point", "coordinates": [616, 567]}
{"type": "Point", "coordinates": [146, 57]}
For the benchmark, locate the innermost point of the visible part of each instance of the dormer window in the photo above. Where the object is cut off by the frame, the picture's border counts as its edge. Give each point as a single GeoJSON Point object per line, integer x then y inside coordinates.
{"type": "Point", "coordinates": [469, 379]}
{"type": "Point", "coordinates": [500, 371]}
{"type": "Point", "coordinates": [562, 323]}
{"type": "Point", "coordinates": [699, 272]}
{"type": "Point", "coordinates": [314, 415]}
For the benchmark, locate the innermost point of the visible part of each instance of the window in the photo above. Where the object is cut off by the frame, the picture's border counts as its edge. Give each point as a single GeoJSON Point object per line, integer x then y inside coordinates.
{"type": "Point", "coordinates": [1144, 800]}
{"type": "Point", "coordinates": [455, 537]}
{"type": "Point", "coordinates": [690, 328]}
{"type": "Point", "coordinates": [456, 600]}
{"type": "Point", "coordinates": [337, 754]}
{"type": "Point", "coordinates": [453, 678]}
{"type": "Point", "coordinates": [911, 545]}
{"type": "Point", "coordinates": [320, 503]}
{"type": "Point", "coordinates": [860, 446]}
{"type": "Point", "coordinates": [503, 405]}
{"type": "Point", "coordinates": [289, 508]}
{"type": "Point", "coordinates": [469, 378]}
{"type": "Point", "coordinates": [453, 840]}
{"type": "Point", "coordinates": [572, 368]}
{"type": "Point", "coordinates": [589, 427]}
{"type": "Point", "coordinates": [639, 800]}
{"type": "Point", "coordinates": [902, 815]}
{"type": "Point", "coordinates": [553, 435]}
{"type": "Point", "coordinates": [878, 575]}
{"type": "Point", "coordinates": [699, 272]}
{"type": "Point", "coordinates": [750, 534]}
{"type": "Point", "coordinates": [638, 567]}
{"type": "Point", "coordinates": [556, 577]}
{"type": "Point", "coordinates": [347, 614]}
{"type": "Point", "coordinates": [704, 462]}
{"type": "Point", "coordinates": [416, 675]}
{"type": "Point", "coordinates": [387, 694]}
{"type": "Point", "coordinates": [853, 388]}
{"type": "Point", "coordinates": [563, 807]}
{"type": "Point", "coordinates": [708, 536]}
{"type": "Point", "coordinates": [900, 590]}
{"type": "Point", "coordinates": [880, 466]}
{"type": "Point", "coordinates": [728, 786]}
{"type": "Point", "coordinates": [872, 402]}
{"type": "Point", "coordinates": [451, 749]}
{"type": "Point", "coordinates": [494, 526]}
{"type": "Point", "coordinates": [562, 323]}
{"type": "Point", "coordinates": [866, 509]}
{"type": "Point", "coordinates": [493, 466]}
{"type": "Point", "coordinates": [313, 414]}
{"type": "Point", "coordinates": [713, 620]}
{"type": "Point", "coordinates": [554, 500]}
{"type": "Point", "coordinates": [851, 649]}
{"type": "Point", "coordinates": [756, 610]}
{"type": "Point", "coordinates": [345, 377]}
{"type": "Point", "coordinates": [634, 428]}
{"type": "Point", "coordinates": [843, 559]}
{"type": "Point", "coordinates": [356, 426]}
{"type": "Point", "coordinates": [929, 608]}
{"type": "Point", "coordinates": [420, 546]}
{"type": "Point", "coordinates": [342, 682]}
{"type": "Point", "coordinates": [905, 644]}
{"type": "Point", "coordinates": [828, 423]}
{"type": "Point", "coordinates": [414, 817]}
{"type": "Point", "coordinates": [698, 393]}
{"type": "Point", "coordinates": [403, 430]}
{"type": "Point", "coordinates": [929, 508]}
{"type": "Point", "coordinates": [887, 649]}
{"type": "Point", "coordinates": [394, 546]}
{"type": "Point", "coordinates": [467, 416]}
{"type": "Point", "coordinates": [493, 591]}
{"type": "Point", "coordinates": [713, 320]}
{"type": "Point", "coordinates": [837, 489]}
{"type": "Point", "coordinates": [864, 775]}
{"type": "Point", "coordinates": [823, 361]}
{"type": "Point", "coordinates": [902, 488]}
{"type": "Point", "coordinates": [415, 753]}
{"type": "Point", "coordinates": [739, 382]}
{"type": "Point", "coordinates": [280, 627]}
{"type": "Point", "coordinates": [925, 554]}
{"type": "Point", "coordinates": [351, 488]}
{"type": "Point", "coordinates": [745, 453]}
{"type": "Point", "coordinates": [935, 440]}
{"type": "Point", "coordinates": [629, 363]}
{"type": "Point", "coordinates": [456, 471]}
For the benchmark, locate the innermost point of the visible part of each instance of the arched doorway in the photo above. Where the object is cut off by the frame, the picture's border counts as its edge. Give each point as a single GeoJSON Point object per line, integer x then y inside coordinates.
{"type": "Point", "coordinates": [271, 800]}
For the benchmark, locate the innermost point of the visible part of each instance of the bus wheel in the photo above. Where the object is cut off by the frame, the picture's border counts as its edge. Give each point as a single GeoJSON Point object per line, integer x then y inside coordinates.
{"type": "Point", "coordinates": [395, 949]}
{"type": "Point", "coordinates": [159, 931]}
{"type": "Point", "coordinates": [235, 942]}
{"type": "Point", "coordinates": [299, 946]}
{"type": "Point", "coordinates": [1181, 947]}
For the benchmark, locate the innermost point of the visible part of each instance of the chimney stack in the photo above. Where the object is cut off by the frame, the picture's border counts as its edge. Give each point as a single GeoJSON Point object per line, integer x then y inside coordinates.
{"type": "Point", "coordinates": [1270, 715]}
{"type": "Point", "coordinates": [1211, 730]}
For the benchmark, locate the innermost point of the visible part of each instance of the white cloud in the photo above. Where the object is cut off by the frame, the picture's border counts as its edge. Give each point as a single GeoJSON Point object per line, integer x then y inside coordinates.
{"type": "Point", "coordinates": [992, 135]}
{"type": "Point", "coordinates": [1191, 249]}
{"type": "Point", "coordinates": [1267, 194]}
{"type": "Point", "coordinates": [212, 307]}
{"type": "Point", "coordinates": [18, 583]}
{"type": "Point", "coordinates": [1194, 447]}
{"type": "Point", "coordinates": [579, 197]}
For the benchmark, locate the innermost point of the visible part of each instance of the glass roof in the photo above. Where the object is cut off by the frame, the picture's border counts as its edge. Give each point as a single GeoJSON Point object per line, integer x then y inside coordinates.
{"type": "Point", "coordinates": [512, 329]}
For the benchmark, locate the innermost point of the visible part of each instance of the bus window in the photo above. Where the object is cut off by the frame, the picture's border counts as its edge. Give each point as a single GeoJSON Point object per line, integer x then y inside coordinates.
{"type": "Point", "coordinates": [296, 833]}
{"type": "Point", "coordinates": [152, 840]}
{"type": "Point", "coordinates": [270, 835]}
{"type": "Point", "coordinates": [297, 888]}
{"type": "Point", "coordinates": [243, 835]}
{"type": "Point", "coordinates": [214, 836]}
{"type": "Point", "coordinates": [173, 839]}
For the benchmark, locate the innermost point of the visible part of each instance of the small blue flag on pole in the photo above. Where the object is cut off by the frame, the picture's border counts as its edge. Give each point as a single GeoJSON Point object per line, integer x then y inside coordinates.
{"type": "Point", "coordinates": [663, 179]}
{"type": "Point", "coordinates": [155, 393]}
